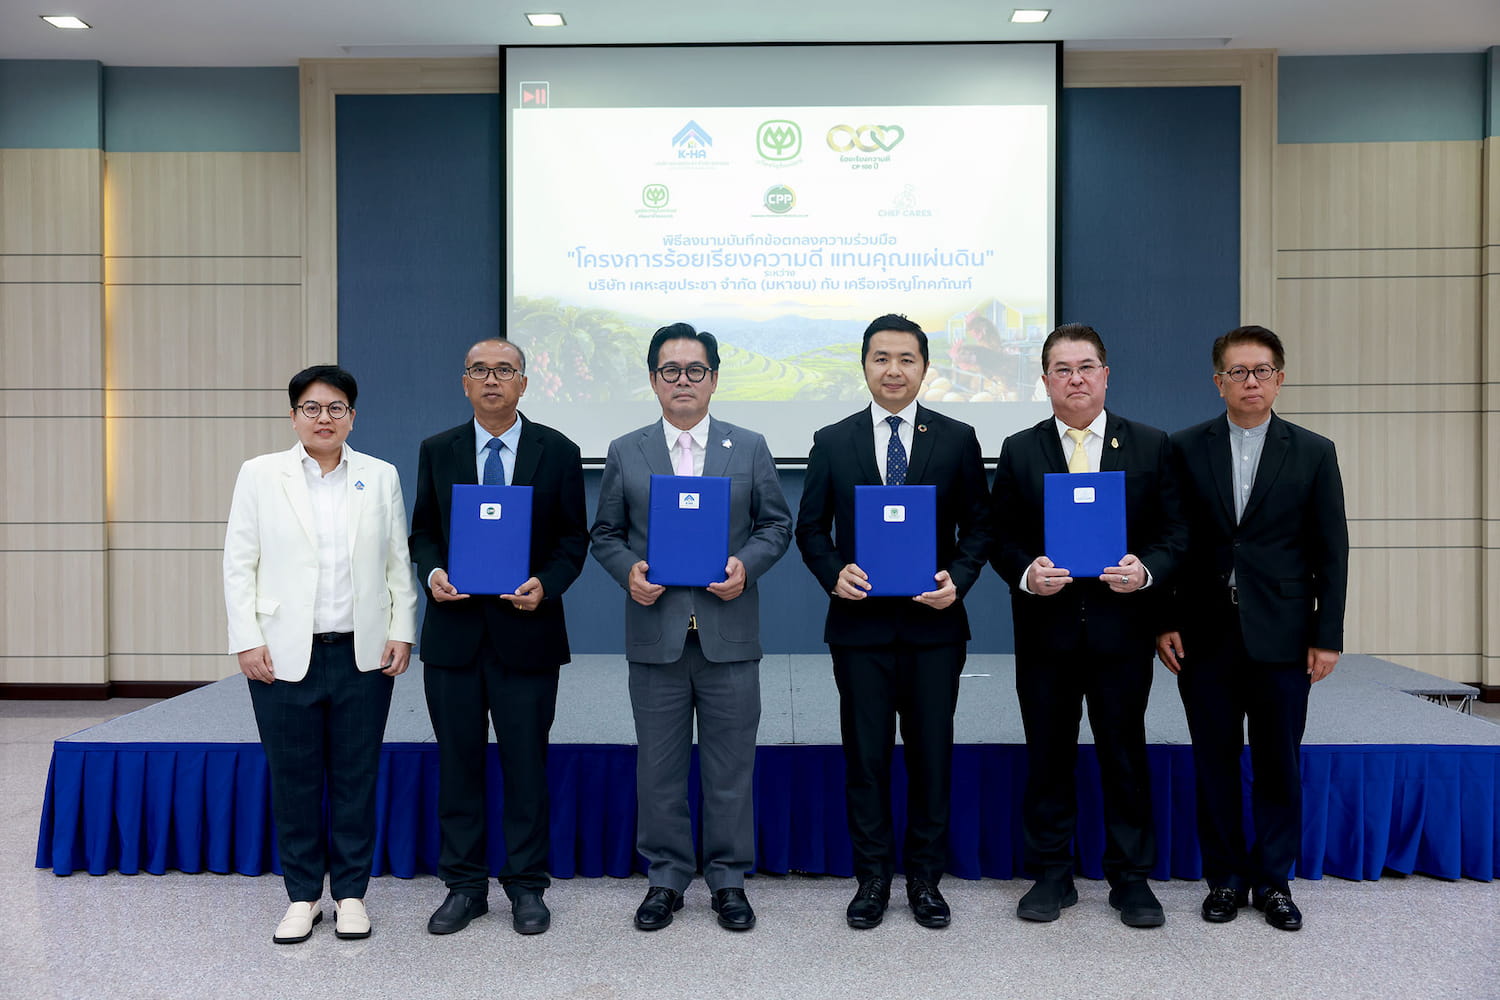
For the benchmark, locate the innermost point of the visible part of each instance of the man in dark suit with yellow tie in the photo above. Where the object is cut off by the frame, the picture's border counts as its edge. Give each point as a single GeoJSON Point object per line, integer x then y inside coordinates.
{"type": "Point", "coordinates": [496, 656]}
{"type": "Point", "coordinates": [1085, 639]}
{"type": "Point", "coordinates": [1258, 618]}
{"type": "Point", "coordinates": [896, 656]}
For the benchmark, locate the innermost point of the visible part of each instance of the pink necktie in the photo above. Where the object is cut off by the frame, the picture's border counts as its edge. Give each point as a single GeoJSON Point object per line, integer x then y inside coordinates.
{"type": "Point", "coordinates": [684, 454]}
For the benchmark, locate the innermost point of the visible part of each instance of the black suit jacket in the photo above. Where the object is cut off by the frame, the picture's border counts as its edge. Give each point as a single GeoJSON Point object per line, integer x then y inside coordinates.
{"type": "Point", "coordinates": [1289, 552]}
{"type": "Point", "coordinates": [945, 454]}
{"type": "Point", "coordinates": [1086, 614]}
{"type": "Point", "coordinates": [451, 630]}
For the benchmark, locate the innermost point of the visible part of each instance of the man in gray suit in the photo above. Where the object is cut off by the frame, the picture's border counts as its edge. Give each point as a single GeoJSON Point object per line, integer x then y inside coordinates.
{"type": "Point", "coordinates": [692, 650]}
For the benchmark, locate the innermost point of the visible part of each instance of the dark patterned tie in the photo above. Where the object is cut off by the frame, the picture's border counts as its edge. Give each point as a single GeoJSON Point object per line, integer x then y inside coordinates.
{"type": "Point", "coordinates": [895, 455]}
{"type": "Point", "coordinates": [494, 469]}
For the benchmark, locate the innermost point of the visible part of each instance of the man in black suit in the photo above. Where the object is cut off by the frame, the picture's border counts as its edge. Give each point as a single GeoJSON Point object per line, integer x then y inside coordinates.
{"type": "Point", "coordinates": [1085, 639]}
{"type": "Point", "coordinates": [1258, 618]}
{"type": "Point", "coordinates": [497, 654]}
{"type": "Point", "coordinates": [896, 655]}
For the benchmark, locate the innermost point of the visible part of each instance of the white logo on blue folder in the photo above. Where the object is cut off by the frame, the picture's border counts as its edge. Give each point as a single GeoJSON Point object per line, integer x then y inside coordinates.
{"type": "Point", "coordinates": [895, 512]}
{"type": "Point", "coordinates": [489, 512]}
{"type": "Point", "coordinates": [687, 501]}
{"type": "Point", "coordinates": [1083, 494]}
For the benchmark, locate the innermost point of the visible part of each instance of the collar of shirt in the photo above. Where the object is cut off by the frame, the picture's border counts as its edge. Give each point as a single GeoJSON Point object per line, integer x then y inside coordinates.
{"type": "Point", "coordinates": [311, 464]}
{"type": "Point", "coordinates": [907, 413]}
{"type": "Point", "coordinates": [510, 438]}
{"type": "Point", "coordinates": [1095, 427]}
{"type": "Point", "coordinates": [698, 431]}
{"type": "Point", "coordinates": [1259, 430]}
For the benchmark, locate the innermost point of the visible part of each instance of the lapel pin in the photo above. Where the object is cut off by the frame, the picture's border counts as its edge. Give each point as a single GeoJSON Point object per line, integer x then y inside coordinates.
{"type": "Point", "coordinates": [922, 428]}
{"type": "Point", "coordinates": [725, 443]}
{"type": "Point", "coordinates": [359, 484]}
{"type": "Point", "coordinates": [1114, 442]}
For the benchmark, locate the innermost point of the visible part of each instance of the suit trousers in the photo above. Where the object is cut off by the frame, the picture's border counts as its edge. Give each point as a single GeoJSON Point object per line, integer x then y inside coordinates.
{"type": "Point", "coordinates": [1052, 690]}
{"type": "Point", "coordinates": [725, 697]}
{"type": "Point", "coordinates": [1222, 688]}
{"type": "Point", "coordinates": [324, 729]}
{"type": "Point", "coordinates": [461, 702]}
{"type": "Point", "coordinates": [878, 684]}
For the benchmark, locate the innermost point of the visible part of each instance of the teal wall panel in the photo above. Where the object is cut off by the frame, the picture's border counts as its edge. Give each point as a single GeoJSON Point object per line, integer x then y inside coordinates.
{"type": "Point", "coordinates": [49, 104]}
{"type": "Point", "coordinates": [151, 109]}
{"type": "Point", "coordinates": [1394, 98]}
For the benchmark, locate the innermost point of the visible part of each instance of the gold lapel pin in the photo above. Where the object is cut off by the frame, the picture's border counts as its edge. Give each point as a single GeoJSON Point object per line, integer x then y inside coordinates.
{"type": "Point", "coordinates": [922, 428]}
{"type": "Point", "coordinates": [1114, 442]}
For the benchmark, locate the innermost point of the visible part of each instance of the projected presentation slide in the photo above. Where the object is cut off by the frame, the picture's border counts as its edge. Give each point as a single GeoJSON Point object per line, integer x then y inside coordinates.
{"type": "Point", "coordinates": [781, 198]}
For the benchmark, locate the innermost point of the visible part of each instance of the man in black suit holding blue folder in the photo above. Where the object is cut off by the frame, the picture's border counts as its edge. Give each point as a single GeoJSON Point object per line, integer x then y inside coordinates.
{"type": "Point", "coordinates": [692, 650]}
{"type": "Point", "coordinates": [896, 656]}
{"type": "Point", "coordinates": [1089, 638]}
{"type": "Point", "coordinates": [496, 655]}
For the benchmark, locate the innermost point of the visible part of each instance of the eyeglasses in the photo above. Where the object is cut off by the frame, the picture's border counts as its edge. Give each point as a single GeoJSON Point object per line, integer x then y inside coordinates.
{"type": "Point", "coordinates": [1239, 373]}
{"type": "Point", "coordinates": [337, 410]}
{"type": "Point", "coordinates": [481, 372]}
{"type": "Point", "coordinates": [1063, 373]}
{"type": "Point", "coordinates": [694, 373]}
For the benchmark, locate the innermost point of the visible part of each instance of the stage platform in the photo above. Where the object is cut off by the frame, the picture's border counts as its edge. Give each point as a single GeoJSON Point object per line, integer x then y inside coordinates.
{"type": "Point", "coordinates": [1392, 780]}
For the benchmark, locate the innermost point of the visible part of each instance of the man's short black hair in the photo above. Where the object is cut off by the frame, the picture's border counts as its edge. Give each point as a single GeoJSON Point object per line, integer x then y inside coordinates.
{"type": "Point", "coordinates": [1249, 335]}
{"type": "Point", "coordinates": [900, 324]}
{"type": "Point", "coordinates": [1073, 331]}
{"type": "Point", "coordinates": [682, 331]}
{"type": "Point", "coordinates": [505, 341]}
{"type": "Point", "coordinates": [330, 375]}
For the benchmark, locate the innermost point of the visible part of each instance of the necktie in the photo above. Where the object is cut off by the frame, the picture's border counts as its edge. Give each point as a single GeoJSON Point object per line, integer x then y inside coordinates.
{"type": "Point", "coordinates": [1079, 462]}
{"type": "Point", "coordinates": [494, 470]}
{"type": "Point", "coordinates": [684, 454]}
{"type": "Point", "coordinates": [895, 455]}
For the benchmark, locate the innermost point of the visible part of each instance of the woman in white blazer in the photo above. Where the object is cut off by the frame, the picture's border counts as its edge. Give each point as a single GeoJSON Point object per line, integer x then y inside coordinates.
{"type": "Point", "coordinates": [322, 616]}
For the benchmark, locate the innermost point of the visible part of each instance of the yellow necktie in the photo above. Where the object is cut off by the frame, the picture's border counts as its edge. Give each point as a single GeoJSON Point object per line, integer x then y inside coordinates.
{"type": "Point", "coordinates": [1079, 462]}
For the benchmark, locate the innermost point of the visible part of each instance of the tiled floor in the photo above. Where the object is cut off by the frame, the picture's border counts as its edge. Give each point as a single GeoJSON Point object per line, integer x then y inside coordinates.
{"type": "Point", "coordinates": [207, 936]}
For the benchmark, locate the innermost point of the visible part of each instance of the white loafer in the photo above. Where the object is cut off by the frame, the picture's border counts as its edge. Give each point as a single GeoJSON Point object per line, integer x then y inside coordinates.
{"type": "Point", "coordinates": [298, 923]}
{"type": "Point", "coordinates": [353, 922]}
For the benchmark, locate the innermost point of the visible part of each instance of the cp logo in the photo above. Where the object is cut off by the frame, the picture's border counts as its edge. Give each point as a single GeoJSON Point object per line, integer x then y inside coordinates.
{"type": "Point", "coordinates": [865, 138]}
{"type": "Point", "coordinates": [778, 139]}
{"type": "Point", "coordinates": [655, 196]}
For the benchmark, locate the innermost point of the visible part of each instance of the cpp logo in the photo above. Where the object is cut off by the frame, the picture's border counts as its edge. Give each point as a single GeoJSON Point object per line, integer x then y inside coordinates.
{"type": "Point", "coordinates": [687, 501]}
{"type": "Point", "coordinates": [489, 512]}
{"type": "Point", "coordinates": [780, 199]}
{"type": "Point", "coordinates": [865, 138]}
{"type": "Point", "coordinates": [779, 139]}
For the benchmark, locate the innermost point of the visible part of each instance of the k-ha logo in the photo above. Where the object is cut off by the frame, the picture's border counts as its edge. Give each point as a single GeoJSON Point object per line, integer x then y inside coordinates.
{"type": "Point", "coordinates": [692, 142]}
{"type": "Point", "coordinates": [779, 139]}
{"type": "Point", "coordinates": [780, 199]}
{"type": "Point", "coordinates": [655, 196]}
{"type": "Point", "coordinates": [865, 138]}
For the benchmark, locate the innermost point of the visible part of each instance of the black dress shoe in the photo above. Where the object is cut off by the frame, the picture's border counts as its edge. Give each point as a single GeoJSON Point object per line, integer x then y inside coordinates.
{"type": "Point", "coordinates": [1223, 904]}
{"type": "Point", "coordinates": [456, 912]}
{"type": "Point", "coordinates": [1045, 900]}
{"type": "Point", "coordinates": [1137, 904]}
{"type": "Point", "coordinates": [733, 909]}
{"type": "Point", "coordinates": [529, 915]}
{"type": "Point", "coordinates": [867, 908]}
{"type": "Point", "coordinates": [1281, 912]}
{"type": "Point", "coordinates": [927, 904]}
{"type": "Point", "coordinates": [655, 911]}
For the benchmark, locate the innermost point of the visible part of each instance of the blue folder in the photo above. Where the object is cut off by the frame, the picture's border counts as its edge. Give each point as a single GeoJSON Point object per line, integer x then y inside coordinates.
{"type": "Point", "coordinates": [489, 539]}
{"type": "Point", "coordinates": [1085, 520]}
{"type": "Point", "coordinates": [895, 538]}
{"type": "Point", "coordinates": [687, 536]}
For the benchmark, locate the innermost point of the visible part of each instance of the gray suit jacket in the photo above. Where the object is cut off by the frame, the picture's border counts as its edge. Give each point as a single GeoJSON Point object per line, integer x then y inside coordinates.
{"type": "Point", "coordinates": [760, 528]}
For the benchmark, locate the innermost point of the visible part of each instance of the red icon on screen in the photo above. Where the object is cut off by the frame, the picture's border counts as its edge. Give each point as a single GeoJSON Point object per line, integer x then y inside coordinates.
{"type": "Point", "coordinates": [533, 95]}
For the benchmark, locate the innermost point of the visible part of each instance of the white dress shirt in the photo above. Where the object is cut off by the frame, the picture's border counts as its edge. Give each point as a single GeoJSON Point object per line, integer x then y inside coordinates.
{"type": "Point", "coordinates": [333, 607]}
{"type": "Point", "coordinates": [1093, 444]}
{"type": "Point", "coordinates": [905, 430]}
{"type": "Point", "coordinates": [698, 432]}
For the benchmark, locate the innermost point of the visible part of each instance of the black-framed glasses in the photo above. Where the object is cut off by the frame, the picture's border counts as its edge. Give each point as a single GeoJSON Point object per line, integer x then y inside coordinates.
{"type": "Point", "coordinates": [1262, 373]}
{"type": "Point", "coordinates": [481, 372]}
{"type": "Point", "coordinates": [1063, 373]}
{"type": "Point", "coordinates": [694, 373]}
{"type": "Point", "coordinates": [337, 410]}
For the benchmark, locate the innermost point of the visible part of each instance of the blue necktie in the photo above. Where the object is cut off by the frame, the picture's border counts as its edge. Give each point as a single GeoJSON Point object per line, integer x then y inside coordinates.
{"type": "Point", "coordinates": [895, 455]}
{"type": "Point", "coordinates": [494, 470]}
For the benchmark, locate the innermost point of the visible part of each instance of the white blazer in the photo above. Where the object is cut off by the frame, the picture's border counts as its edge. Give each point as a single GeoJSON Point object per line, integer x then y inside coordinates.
{"type": "Point", "coordinates": [271, 561]}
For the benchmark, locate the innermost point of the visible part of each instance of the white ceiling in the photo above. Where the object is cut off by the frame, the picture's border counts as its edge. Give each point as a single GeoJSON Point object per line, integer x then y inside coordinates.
{"type": "Point", "coordinates": [279, 32]}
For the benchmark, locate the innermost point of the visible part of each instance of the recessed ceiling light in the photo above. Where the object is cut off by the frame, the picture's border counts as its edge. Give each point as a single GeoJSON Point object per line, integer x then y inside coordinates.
{"type": "Point", "coordinates": [1028, 16]}
{"type": "Point", "coordinates": [63, 21]}
{"type": "Point", "coordinates": [546, 20]}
